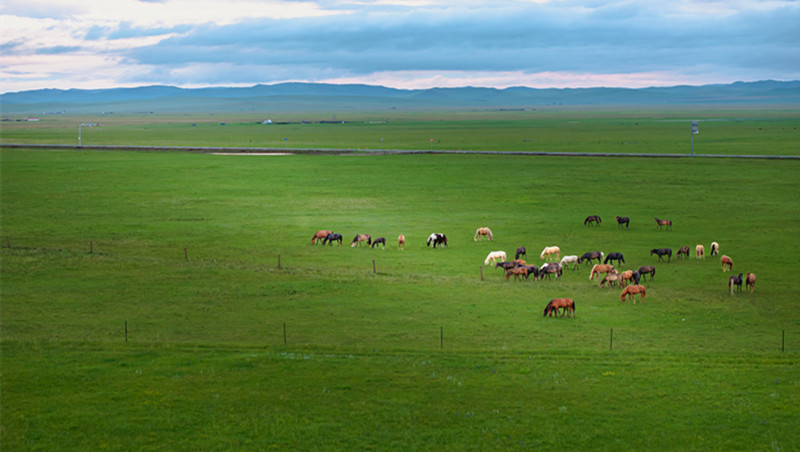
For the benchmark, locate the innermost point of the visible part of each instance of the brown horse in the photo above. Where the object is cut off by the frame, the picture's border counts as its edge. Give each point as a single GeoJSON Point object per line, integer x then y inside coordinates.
{"type": "Point", "coordinates": [661, 223]}
{"type": "Point", "coordinates": [611, 278]}
{"type": "Point", "coordinates": [684, 250]}
{"type": "Point", "coordinates": [600, 268]}
{"type": "Point", "coordinates": [401, 242]}
{"type": "Point", "coordinates": [700, 252]}
{"type": "Point", "coordinates": [517, 272]}
{"type": "Point", "coordinates": [592, 219]}
{"type": "Point", "coordinates": [735, 281]}
{"type": "Point", "coordinates": [320, 235]}
{"type": "Point", "coordinates": [631, 292]}
{"type": "Point", "coordinates": [361, 238]}
{"type": "Point", "coordinates": [483, 232]}
{"type": "Point", "coordinates": [566, 304]}
{"type": "Point", "coordinates": [626, 276]}
{"type": "Point", "coordinates": [751, 282]}
{"type": "Point", "coordinates": [647, 270]}
{"type": "Point", "coordinates": [726, 262]}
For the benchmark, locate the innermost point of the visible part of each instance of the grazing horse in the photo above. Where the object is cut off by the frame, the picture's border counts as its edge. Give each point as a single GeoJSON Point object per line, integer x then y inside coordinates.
{"type": "Point", "coordinates": [548, 252]}
{"type": "Point", "coordinates": [700, 252]}
{"type": "Point", "coordinates": [714, 248]}
{"type": "Point", "coordinates": [551, 268]}
{"type": "Point", "coordinates": [661, 252]}
{"type": "Point", "coordinates": [521, 251]}
{"type": "Point", "coordinates": [483, 232]}
{"type": "Point", "coordinates": [623, 220]}
{"type": "Point", "coordinates": [726, 262]}
{"type": "Point", "coordinates": [495, 256]}
{"type": "Point", "coordinates": [615, 257]}
{"type": "Point", "coordinates": [592, 219]}
{"type": "Point", "coordinates": [505, 265]}
{"type": "Point", "coordinates": [569, 260]}
{"type": "Point", "coordinates": [566, 304]}
{"type": "Point", "coordinates": [361, 238]}
{"type": "Point", "coordinates": [333, 237]}
{"type": "Point", "coordinates": [533, 270]}
{"type": "Point", "coordinates": [517, 272]}
{"type": "Point", "coordinates": [436, 239]}
{"type": "Point", "coordinates": [735, 281]}
{"type": "Point", "coordinates": [684, 250]}
{"type": "Point", "coordinates": [600, 268]}
{"type": "Point", "coordinates": [591, 255]}
{"type": "Point", "coordinates": [401, 241]}
{"type": "Point", "coordinates": [628, 275]}
{"type": "Point", "coordinates": [631, 292]}
{"type": "Point", "coordinates": [661, 223]}
{"type": "Point", "coordinates": [647, 270]}
{"type": "Point", "coordinates": [751, 282]}
{"type": "Point", "coordinates": [611, 278]}
{"type": "Point", "coordinates": [379, 240]}
{"type": "Point", "coordinates": [319, 235]}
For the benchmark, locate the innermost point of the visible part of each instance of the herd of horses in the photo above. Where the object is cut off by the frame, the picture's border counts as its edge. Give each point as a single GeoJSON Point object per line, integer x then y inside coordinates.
{"type": "Point", "coordinates": [554, 265]}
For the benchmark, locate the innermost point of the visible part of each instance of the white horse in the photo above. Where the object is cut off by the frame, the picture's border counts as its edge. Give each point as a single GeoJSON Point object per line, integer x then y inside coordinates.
{"type": "Point", "coordinates": [495, 256]}
{"type": "Point", "coordinates": [548, 251]}
{"type": "Point", "coordinates": [714, 248]}
{"type": "Point", "coordinates": [700, 252]}
{"type": "Point", "coordinates": [481, 232]}
{"type": "Point", "coordinates": [569, 260]}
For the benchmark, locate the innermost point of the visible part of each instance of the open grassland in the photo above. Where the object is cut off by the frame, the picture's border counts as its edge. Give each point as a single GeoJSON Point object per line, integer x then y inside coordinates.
{"type": "Point", "coordinates": [227, 351]}
{"type": "Point", "coordinates": [722, 131]}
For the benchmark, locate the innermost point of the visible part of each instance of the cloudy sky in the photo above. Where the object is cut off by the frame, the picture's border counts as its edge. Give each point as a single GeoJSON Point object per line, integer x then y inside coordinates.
{"type": "Point", "coordinates": [399, 43]}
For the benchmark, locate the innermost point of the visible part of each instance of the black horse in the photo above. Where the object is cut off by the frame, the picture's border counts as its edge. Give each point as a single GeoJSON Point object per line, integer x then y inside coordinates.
{"type": "Point", "coordinates": [591, 255]}
{"type": "Point", "coordinates": [332, 237]}
{"type": "Point", "coordinates": [592, 219]}
{"type": "Point", "coordinates": [647, 270]}
{"type": "Point", "coordinates": [623, 220]}
{"type": "Point", "coordinates": [381, 240]}
{"type": "Point", "coordinates": [637, 276]}
{"type": "Point", "coordinates": [661, 252]}
{"type": "Point", "coordinates": [521, 251]}
{"type": "Point", "coordinates": [533, 270]}
{"type": "Point", "coordinates": [615, 257]}
{"type": "Point", "coordinates": [735, 281]}
{"type": "Point", "coordinates": [436, 239]}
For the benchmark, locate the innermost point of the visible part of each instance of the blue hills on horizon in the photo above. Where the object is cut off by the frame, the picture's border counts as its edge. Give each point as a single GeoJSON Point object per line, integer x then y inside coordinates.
{"type": "Point", "coordinates": [318, 96]}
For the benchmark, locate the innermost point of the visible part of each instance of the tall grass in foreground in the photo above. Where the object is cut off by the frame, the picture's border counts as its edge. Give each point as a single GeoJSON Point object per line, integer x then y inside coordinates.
{"type": "Point", "coordinates": [184, 251]}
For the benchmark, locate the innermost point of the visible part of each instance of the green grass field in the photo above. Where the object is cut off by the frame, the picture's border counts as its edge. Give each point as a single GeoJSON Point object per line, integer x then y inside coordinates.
{"type": "Point", "coordinates": [227, 351]}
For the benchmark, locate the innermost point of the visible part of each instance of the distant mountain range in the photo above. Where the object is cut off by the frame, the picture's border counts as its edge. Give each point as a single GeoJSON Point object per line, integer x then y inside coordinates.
{"type": "Point", "coordinates": [314, 97]}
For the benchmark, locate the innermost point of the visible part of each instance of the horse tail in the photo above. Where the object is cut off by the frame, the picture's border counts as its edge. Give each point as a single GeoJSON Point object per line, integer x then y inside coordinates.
{"type": "Point", "coordinates": [730, 284]}
{"type": "Point", "coordinates": [491, 236]}
{"type": "Point", "coordinates": [477, 232]}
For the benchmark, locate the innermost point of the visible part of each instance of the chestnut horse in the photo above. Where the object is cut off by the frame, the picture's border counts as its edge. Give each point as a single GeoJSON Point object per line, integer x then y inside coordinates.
{"type": "Point", "coordinates": [401, 241]}
{"type": "Point", "coordinates": [726, 262]}
{"type": "Point", "coordinates": [628, 275]}
{"type": "Point", "coordinates": [700, 252]}
{"type": "Point", "coordinates": [592, 219]}
{"type": "Point", "coordinates": [600, 268]}
{"type": "Point", "coordinates": [319, 235]}
{"type": "Point", "coordinates": [631, 292]}
{"type": "Point", "coordinates": [548, 252]}
{"type": "Point", "coordinates": [751, 282]}
{"type": "Point", "coordinates": [518, 271]}
{"type": "Point", "coordinates": [566, 304]}
{"type": "Point", "coordinates": [661, 223]}
{"type": "Point", "coordinates": [735, 281]}
{"type": "Point", "coordinates": [611, 278]}
{"type": "Point", "coordinates": [483, 232]}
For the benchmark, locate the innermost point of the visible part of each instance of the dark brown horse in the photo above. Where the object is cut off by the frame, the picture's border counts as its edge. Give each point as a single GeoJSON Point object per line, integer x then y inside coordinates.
{"type": "Point", "coordinates": [684, 251]}
{"type": "Point", "coordinates": [592, 219]}
{"type": "Point", "coordinates": [590, 256]}
{"type": "Point", "coordinates": [661, 252]}
{"type": "Point", "coordinates": [661, 223]}
{"type": "Point", "coordinates": [735, 281]}
{"type": "Point", "coordinates": [647, 270]}
{"type": "Point", "coordinates": [566, 304]}
{"type": "Point", "coordinates": [623, 220]}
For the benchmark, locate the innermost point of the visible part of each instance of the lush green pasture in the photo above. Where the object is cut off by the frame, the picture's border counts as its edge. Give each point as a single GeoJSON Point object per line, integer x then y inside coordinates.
{"type": "Point", "coordinates": [722, 131]}
{"type": "Point", "coordinates": [227, 351]}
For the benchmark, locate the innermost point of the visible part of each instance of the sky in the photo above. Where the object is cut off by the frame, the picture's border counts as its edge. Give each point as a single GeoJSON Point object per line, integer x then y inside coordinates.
{"type": "Point", "coordinates": [407, 44]}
